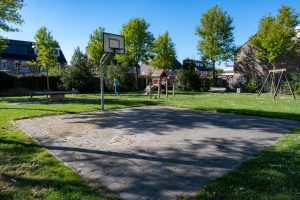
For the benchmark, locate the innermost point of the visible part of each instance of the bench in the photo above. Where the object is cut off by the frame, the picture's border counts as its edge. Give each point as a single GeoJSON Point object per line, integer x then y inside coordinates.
{"type": "Point", "coordinates": [54, 95]}
{"type": "Point", "coordinates": [217, 89]}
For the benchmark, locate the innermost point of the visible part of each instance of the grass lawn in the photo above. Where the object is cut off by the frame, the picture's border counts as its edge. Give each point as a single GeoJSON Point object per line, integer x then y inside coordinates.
{"type": "Point", "coordinates": [28, 171]}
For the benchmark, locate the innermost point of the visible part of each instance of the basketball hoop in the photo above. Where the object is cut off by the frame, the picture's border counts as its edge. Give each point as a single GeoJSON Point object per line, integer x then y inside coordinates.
{"type": "Point", "coordinates": [112, 44]}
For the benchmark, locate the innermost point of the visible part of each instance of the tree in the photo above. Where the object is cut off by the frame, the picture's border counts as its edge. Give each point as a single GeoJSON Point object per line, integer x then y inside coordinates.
{"type": "Point", "coordinates": [138, 43]}
{"type": "Point", "coordinates": [164, 52]}
{"type": "Point", "coordinates": [217, 41]}
{"type": "Point", "coordinates": [119, 72]}
{"type": "Point", "coordinates": [95, 46]}
{"type": "Point", "coordinates": [275, 35]}
{"type": "Point", "coordinates": [2, 44]}
{"type": "Point", "coordinates": [46, 48]}
{"type": "Point", "coordinates": [187, 79]}
{"type": "Point", "coordinates": [79, 74]}
{"type": "Point", "coordinates": [188, 64]}
{"type": "Point", "coordinates": [9, 15]}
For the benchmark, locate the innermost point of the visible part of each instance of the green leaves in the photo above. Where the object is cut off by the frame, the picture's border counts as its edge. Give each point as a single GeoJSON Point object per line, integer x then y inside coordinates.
{"type": "Point", "coordinates": [138, 41]}
{"type": "Point", "coordinates": [9, 14]}
{"type": "Point", "coordinates": [275, 35]}
{"type": "Point", "coordinates": [164, 52]}
{"type": "Point", "coordinates": [95, 45]}
{"type": "Point", "coordinates": [2, 44]}
{"type": "Point", "coordinates": [215, 31]}
{"type": "Point", "coordinates": [79, 74]}
{"type": "Point", "coordinates": [46, 48]}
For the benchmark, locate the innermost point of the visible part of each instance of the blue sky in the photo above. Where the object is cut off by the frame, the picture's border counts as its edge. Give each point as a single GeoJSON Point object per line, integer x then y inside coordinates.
{"type": "Point", "coordinates": [71, 21]}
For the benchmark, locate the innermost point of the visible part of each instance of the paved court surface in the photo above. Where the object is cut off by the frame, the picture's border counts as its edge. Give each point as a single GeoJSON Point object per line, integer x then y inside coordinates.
{"type": "Point", "coordinates": [154, 152]}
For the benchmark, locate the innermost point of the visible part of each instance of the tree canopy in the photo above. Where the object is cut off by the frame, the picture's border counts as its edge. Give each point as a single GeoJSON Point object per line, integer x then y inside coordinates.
{"type": "Point", "coordinates": [79, 74]}
{"type": "Point", "coordinates": [188, 65]}
{"type": "Point", "coordinates": [46, 47]}
{"type": "Point", "coordinates": [95, 46]}
{"type": "Point", "coordinates": [138, 41]}
{"type": "Point", "coordinates": [216, 42]}
{"type": "Point", "coordinates": [275, 35]}
{"type": "Point", "coordinates": [9, 14]}
{"type": "Point", "coordinates": [164, 52]}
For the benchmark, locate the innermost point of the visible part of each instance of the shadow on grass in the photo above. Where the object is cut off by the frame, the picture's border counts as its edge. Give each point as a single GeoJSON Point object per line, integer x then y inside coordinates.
{"type": "Point", "coordinates": [64, 187]}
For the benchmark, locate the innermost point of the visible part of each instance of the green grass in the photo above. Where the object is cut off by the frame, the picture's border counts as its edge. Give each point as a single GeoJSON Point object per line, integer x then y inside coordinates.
{"type": "Point", "coordinates": [271, 174]}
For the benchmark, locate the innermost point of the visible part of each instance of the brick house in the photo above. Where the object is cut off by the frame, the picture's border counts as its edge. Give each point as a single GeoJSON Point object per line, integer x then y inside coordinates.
{"type": "Point", "coordinates": [247, 65]}
{"type": "Point", "coordinates": [14, 59]}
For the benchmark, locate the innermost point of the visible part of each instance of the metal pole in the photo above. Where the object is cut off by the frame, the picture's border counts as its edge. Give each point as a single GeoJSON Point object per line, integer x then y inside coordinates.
{"type": "Point", "coordinates": [159, 89]}
{"type": "Point", "coordinates": [173, 90]}
{"type": "Point", "coordinates": [102, 61]}
{"type": "Point", "coordinates": [167, 88]}
{"type": "Point", "coordinates": [150, 84]}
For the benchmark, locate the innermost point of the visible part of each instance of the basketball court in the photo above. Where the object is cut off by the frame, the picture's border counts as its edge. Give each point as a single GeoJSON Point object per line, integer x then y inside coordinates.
{"type": "Point", "coordinates": [154, 152]}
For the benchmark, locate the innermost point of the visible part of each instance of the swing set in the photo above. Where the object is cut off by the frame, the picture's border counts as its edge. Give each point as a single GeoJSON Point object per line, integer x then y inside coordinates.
{"type": "Point", "coordinates": [275, 87]}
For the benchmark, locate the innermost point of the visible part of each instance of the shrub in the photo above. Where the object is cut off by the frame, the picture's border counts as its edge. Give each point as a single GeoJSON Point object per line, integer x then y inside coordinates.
{"type": "Point", "coordinates": [7, 81]}
{"type": "Point", "coordinates": [189, 65]}
{"type": "Point", "coordinates": [187, 80]}
{"type": "Point", "coordinates": [79, 74]}
{"type": "Point", "coordinates": [14, 85]}
{"type": "Point", "coordinates": [252, 84]}
{"type": "Point", "coordinates": [295, 83]}
{"type": "Point", "coordinates": [206, 83]}
{"type": "Point", "coordinates": [121, 73]}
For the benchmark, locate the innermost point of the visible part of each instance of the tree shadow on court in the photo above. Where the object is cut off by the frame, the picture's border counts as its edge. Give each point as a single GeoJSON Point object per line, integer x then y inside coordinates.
{"type": "Point", "coordinates": [152, 172]}
{"type": "Point", "coordinates": [163, 120]}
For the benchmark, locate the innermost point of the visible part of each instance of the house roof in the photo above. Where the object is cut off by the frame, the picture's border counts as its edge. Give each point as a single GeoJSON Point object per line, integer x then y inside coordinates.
{"type": "Point", "coordinates": [146, 69]}
{"type": "Point", "coordinates": [22, 50]}
{"type": "Point", "coordinates": [158, 73]}
{"type": "Point", "coordinates": [177, 64]}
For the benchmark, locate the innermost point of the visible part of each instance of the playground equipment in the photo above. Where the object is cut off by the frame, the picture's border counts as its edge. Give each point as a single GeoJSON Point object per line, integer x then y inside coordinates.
{"type": "Point", "coordinates": [112, 44]}
{"type": "Point", "coordinates": [274, 87]}
{"type": "Point", "coordinates": [162, 80]}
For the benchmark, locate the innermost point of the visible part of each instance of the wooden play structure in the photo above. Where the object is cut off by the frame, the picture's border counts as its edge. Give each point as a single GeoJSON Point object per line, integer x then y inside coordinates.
{"type": "Point", "coordinates": [161, 81]}
{"type": "Point", "coordinates": [275, 86]}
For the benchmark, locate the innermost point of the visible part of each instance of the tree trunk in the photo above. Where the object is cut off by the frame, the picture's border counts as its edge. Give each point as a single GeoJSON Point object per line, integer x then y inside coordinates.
{"type": "Point", "coordinates": [48, 84]}
{"type": "Point", "coordinates": [137, 77]}
{"type": "Point", "coordinates": [272, 90]}
{"type": "Point", "coordinates": [214, 74]}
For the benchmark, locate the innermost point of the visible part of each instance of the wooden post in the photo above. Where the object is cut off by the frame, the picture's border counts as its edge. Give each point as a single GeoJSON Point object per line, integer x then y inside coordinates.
{"type": "Point", "coordinates": [167, 88]}
{"type": "Point", "coordinates": [276, 90]}
{"type": "Point", "coordinates": [264, 84]}
{"type": "Point", "coordinates": [289, 86]}
{"type": "Point", "coordinates": [159, 88]}
{"type": "Point", "coordinates": [173, 89]}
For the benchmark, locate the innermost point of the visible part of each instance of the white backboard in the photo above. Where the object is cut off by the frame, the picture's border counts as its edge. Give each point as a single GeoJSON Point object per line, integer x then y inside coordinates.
{"type": "Point", "coordinates": [113, 43]}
